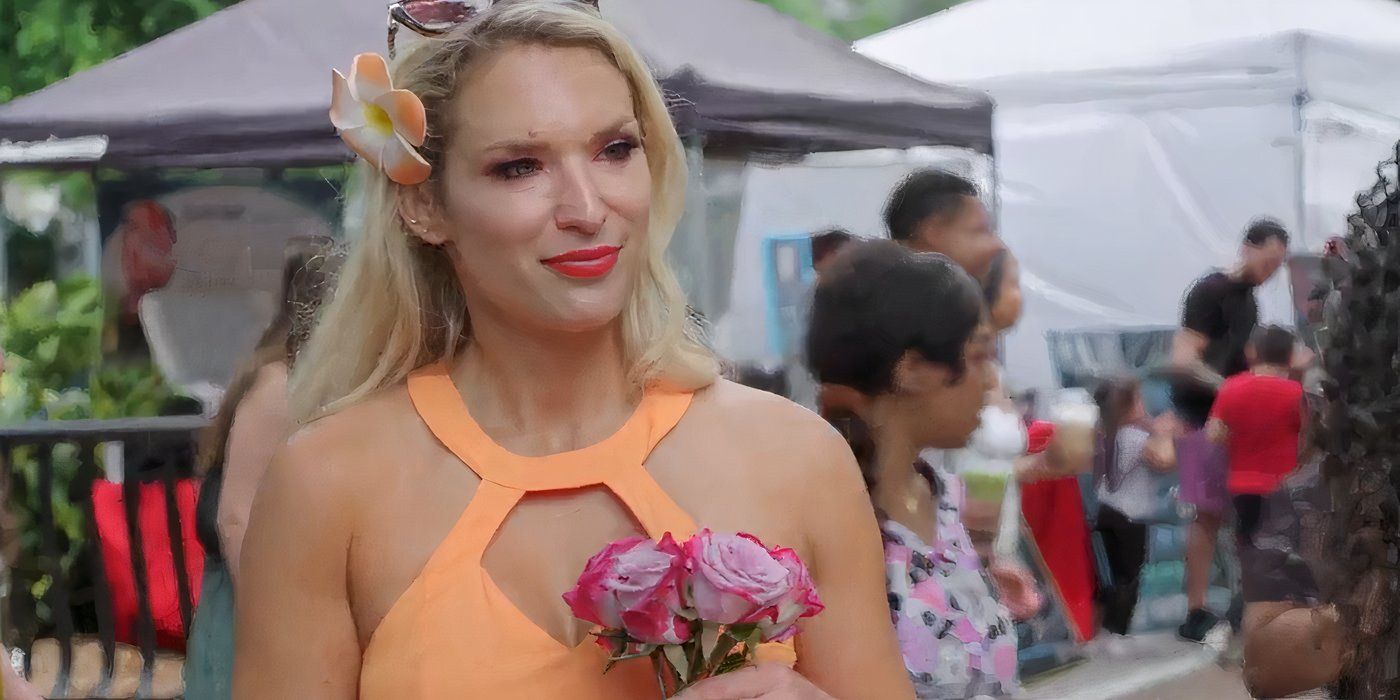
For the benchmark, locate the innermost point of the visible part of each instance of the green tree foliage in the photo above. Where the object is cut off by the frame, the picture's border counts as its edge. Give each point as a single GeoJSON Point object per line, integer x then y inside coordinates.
{"type": "Point", "coordinates": [50, 335]}
{"type": "Point", "coordinates": [43, 41]}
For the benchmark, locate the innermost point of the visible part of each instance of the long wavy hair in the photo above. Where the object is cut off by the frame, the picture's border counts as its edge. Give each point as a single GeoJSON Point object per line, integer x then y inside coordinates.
{"type": "Point", "coordinates": [1358, 433]}
{"type": "Point", "coordinates": [399, 305]}
{"type": "Point", "coordinates": [1116, 398]}
{"type": "Point", "coordinates": [308, 263]}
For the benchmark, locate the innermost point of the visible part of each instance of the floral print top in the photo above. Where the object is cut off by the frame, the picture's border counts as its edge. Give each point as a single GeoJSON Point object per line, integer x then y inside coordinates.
{"type": "Point", "coordinates": [957, 640]}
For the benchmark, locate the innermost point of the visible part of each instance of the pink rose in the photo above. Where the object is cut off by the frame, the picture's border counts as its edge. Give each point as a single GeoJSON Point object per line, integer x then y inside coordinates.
{"type": "Point", "coordinates": [592, 598]}
{"type": "Point", "coordinates": [649, 581]}
{"type": "Point", "coordinates": [777, 622]}
{"type": "Point", "coordinates": [733, 577]}
{"type": "Point", "coordinates": [634, 585]}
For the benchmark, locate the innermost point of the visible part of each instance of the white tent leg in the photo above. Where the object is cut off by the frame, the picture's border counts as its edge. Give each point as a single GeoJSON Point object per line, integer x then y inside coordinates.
{"type": "Point", "coordinates": [688, 250]}
{"type": "Point", "coordinates": [1300, 100]}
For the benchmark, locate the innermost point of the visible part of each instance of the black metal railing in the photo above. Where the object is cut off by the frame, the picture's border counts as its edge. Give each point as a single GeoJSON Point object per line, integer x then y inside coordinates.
{"type": "Point", "coordinates": [73, 599]}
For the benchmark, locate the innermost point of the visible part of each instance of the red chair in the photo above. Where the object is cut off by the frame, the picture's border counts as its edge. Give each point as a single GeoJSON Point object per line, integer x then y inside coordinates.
{"type": "Point", "coordinates": [162, 587]}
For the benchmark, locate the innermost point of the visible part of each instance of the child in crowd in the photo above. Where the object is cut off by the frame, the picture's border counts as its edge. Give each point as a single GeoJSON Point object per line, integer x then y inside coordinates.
{"type": "Point", "coordinates": [1130, 450]}
{"type": "Point", "coordinates": [1258, 416]}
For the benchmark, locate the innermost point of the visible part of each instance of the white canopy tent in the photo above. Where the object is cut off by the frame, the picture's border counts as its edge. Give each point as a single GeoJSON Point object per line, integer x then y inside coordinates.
{"type": "Point", "coordinates": [1136, 139]}
{"type": "Point", "coordinates": [822, 191]}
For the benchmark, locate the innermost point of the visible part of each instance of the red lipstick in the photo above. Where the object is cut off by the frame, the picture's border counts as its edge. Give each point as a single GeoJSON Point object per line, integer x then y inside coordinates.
{"type": "Point", "coordinates": [585, 263]}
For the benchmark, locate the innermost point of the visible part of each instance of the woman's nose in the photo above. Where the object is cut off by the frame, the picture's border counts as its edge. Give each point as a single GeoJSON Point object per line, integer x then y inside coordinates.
{"type": "Point", "coordinates": [580, 205]}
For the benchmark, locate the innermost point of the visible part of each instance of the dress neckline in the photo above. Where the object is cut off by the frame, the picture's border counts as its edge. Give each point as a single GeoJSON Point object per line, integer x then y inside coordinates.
{"type": "Point", "coordinates": [593, 464]}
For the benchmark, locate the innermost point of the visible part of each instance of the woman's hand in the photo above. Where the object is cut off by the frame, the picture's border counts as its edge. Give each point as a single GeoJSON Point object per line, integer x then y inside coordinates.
{"type": "Point", "coordinates": [1036, 467]}
{"type": "Point", "coordinates": [1015, 588]}
{"type": "Point", "coordinates": [767, 681]}
{"type": "Point", "coordinates": [1160, 451]}
{"type": "Point", "coordinates": [14, 687]}
{"type": "Point", "coordinates": [1071, 452]}
{"type": "Point", "coordinates": [1167, 425]}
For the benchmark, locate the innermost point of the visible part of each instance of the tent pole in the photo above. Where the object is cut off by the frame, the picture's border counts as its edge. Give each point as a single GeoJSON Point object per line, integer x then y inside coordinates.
{"type": "Point", "coordinates": [1300, 100]}
{"type": "Point", "coordinates": [690, 250]}
{"type": "Point", "coordinates": [1300, 160]}
{"type": "Point", "coordinates": [92, 235]}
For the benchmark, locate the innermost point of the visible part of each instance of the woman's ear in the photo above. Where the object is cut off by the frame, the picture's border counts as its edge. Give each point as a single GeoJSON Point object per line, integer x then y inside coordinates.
{"type": "Point", "coordinates": [914, 374]}
{"type": "Point", "coordinates": [837, 397]}
{"type": "Point", "coordinates": [418, 213]}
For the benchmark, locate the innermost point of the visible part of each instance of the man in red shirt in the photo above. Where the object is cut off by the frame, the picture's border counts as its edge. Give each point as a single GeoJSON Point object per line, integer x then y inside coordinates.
{"type": "Point", "coordinates": [1258, 416]}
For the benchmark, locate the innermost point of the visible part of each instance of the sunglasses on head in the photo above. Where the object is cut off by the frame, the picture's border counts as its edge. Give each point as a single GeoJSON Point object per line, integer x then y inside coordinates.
{"type": "Point", "coordinates": [430, 18]}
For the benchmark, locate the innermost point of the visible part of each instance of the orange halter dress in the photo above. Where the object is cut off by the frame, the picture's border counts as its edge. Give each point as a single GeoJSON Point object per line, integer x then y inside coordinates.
{"type": "Point", "coordinates": [454, 633]}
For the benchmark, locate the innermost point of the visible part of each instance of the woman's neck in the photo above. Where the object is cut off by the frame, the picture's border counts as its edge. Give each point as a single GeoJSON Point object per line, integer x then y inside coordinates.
{"type": "Point", "coordinates": [562, 391]}
{"type": "Point", "coordinates": [900, 492]}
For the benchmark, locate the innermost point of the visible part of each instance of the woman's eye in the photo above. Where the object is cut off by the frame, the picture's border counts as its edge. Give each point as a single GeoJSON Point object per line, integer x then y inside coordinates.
{"type": "Point", "coordinates": [619, 150]}
{"type": "Point", "coordinates": [516, 169]}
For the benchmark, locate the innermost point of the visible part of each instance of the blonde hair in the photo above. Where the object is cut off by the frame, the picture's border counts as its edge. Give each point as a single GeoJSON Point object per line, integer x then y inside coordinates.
{"type": "Point", "coordinates": [400, 306]}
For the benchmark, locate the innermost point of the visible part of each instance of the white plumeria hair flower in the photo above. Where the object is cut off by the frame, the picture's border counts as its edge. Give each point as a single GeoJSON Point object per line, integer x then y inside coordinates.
{"type": "Point", "coordinates": [383, 125]}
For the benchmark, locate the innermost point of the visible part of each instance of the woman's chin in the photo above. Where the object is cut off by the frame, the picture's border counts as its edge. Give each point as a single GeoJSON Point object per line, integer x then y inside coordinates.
{"type": "Point", "coordinates": [949, 443]}
{"type": "Point", "coordinates": [958, 442]}
{"type": "Point", "coordinates": [585, 318]}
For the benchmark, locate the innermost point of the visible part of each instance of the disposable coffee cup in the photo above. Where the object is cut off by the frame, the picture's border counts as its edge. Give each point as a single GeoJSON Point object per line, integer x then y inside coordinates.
{"type": "Point", "coordinates": [1076, 420]}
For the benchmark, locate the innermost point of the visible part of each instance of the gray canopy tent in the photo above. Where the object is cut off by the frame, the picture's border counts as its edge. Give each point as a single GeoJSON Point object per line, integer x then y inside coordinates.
{"type": "Point", "coordinates": [250, 86]}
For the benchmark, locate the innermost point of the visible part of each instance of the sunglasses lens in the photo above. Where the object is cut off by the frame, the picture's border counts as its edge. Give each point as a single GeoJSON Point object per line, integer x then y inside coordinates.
{"type": "Point", "coordinates": [439, 14]}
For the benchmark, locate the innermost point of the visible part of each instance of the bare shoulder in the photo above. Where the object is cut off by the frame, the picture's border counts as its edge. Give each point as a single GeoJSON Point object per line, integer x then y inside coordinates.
{"type": "Point", "coordinates": [789, 473]}
{"type": "Point", "coordinates": [744, 409]}
{"type": "Point", "coordinates": [794, 440]}
{"type": "Point", "coordinates": [273, 375]}
{"type": "Point", "coordinates": [267, 396]}
{"type": "Point", "coordinates": [345, 452]}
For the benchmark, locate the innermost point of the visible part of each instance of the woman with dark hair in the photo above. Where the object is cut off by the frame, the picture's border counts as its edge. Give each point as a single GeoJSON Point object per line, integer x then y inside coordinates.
{"type": "Point", "coordinates": [995, 459]}
{"type": "Point", "coordinates": [252, 423]}
{"type": "Point", "coordinates": [1044, 494]}
{"type": "Point", "coordinates": [1321, 587]}
{"type": "Point", "coordinates": [827, 244]}
{"type": "Point", "coordinates": [918, 374]}
{"type": "Point", "coordinates": [1356, 433]}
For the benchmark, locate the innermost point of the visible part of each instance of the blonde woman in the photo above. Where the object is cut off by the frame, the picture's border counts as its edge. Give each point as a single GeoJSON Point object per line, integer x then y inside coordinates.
{"type": "Point", "coordinates": [505, 381]}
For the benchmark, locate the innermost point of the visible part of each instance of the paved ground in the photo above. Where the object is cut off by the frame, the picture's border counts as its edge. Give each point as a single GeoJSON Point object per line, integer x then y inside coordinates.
{"type": "Point", "coordinates": [1158, 667]}
{"type": "Point", "coordinates": [1210, 683]}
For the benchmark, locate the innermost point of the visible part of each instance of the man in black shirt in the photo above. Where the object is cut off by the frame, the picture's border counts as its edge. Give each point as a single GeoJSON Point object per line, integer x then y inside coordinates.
{"type": "Point", "coordinates": [1218, 316]}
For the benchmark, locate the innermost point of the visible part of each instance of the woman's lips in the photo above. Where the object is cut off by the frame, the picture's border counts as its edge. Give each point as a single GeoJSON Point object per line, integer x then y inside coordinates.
{"type": "Point", "coordinates": [585, 263]}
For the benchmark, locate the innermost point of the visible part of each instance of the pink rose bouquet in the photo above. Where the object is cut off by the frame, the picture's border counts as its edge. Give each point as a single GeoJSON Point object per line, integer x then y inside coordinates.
{"type": "Point", "coordinates": [698, 608]}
